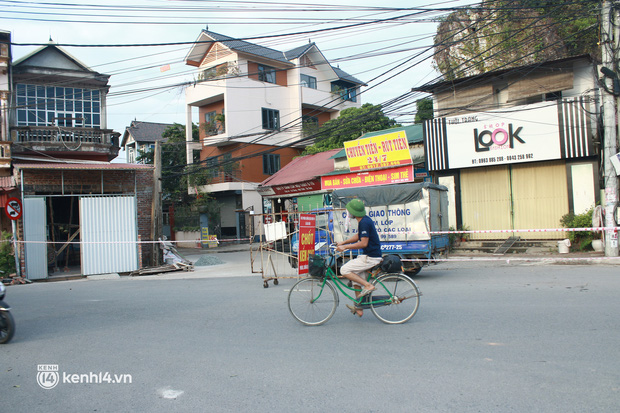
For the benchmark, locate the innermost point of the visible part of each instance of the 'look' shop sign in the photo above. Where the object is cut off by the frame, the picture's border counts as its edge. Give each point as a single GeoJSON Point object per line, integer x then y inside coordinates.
{"type": "Point", "coordinates": [529, 133]}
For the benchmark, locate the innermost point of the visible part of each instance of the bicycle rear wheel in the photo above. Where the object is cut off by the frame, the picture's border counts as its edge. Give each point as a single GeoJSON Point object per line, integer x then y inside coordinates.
{"type": "Point", "coordinates": [311, 302]}
{"type": "Point", "coordinates": [405, 298]}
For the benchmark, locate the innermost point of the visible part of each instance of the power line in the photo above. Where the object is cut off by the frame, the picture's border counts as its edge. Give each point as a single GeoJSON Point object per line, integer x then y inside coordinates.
{"type": "Point", "coordinates": [470, 59]}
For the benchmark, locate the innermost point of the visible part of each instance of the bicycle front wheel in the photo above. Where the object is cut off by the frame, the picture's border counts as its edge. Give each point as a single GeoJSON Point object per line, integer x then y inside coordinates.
{"type": "Point", "coordinates": [395, 298]}
{"type": "Point", "coordinates": [311, 302]}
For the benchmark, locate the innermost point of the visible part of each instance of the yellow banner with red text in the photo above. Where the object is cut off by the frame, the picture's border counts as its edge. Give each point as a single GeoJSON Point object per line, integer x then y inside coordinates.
{"type": "Point", "coordinates": [391, 149]}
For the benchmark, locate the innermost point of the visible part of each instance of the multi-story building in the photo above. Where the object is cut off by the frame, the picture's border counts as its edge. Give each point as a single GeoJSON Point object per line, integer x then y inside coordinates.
{"type": "Point", "coordinates": [257, 110]}
{"type": "Point", "coordinates": [519, 148]}
{"type": "Point", "coordinates": [81, 214]}
{"type": "Point", "coordinates": [141, 137]}
{"type": "Point", "coordinates": [7, 183]}
{"type": "Point", "coordinates": [5, 90]}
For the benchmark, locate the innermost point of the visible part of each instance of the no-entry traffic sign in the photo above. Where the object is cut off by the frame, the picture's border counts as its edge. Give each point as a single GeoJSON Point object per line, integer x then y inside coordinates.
{"type": "Point", "coordinates": [13, 208]}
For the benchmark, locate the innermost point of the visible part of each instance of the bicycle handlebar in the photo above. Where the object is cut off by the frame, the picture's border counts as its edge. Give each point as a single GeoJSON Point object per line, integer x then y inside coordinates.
{"type": "Point", "coordinates": [332, 249]}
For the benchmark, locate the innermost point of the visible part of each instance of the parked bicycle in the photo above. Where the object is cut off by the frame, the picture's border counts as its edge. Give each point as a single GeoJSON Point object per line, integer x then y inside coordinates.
{"type": "Point", "coordinates": [313, 300]}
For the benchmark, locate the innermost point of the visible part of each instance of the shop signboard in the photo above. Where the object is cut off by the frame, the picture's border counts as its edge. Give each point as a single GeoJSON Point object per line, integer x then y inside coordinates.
{"type": "Point", "coordinates": [369, 178]}
{"type": "Point", "coordinates": [529, 133]}
{"type": "Point", "coordinates": [390, 149]}
{"type": "Point", "coordinates": [290, 189]}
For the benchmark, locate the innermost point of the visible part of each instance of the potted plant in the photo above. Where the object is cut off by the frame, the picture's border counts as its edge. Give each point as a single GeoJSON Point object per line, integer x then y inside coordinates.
{"type": "Point", "coordinates": [464, 236]}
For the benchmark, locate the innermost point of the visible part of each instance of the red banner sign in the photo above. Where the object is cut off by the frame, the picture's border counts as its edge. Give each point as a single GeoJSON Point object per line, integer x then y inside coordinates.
{"type": "Point", "coordinates": [288, 189]}
{"type": "Point", "coordinates": [307, 225]}
{"type": "Point", "coordinates": [370, 178]}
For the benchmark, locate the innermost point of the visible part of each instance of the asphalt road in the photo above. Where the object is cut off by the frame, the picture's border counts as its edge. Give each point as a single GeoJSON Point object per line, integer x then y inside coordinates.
{"type": "Point", "coordinates": [487, 338]}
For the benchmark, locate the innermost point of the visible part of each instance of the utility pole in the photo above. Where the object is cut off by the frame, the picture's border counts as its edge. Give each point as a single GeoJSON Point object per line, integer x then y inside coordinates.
{"type": "Point", "coordinates": [608, 46]}
{"type": "Point", "coordinates": [156, 213]}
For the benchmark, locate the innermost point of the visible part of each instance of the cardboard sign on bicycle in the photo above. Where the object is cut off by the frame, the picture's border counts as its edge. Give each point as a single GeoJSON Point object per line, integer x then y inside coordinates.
{"type": "Point", "coordinates": [307, 227]}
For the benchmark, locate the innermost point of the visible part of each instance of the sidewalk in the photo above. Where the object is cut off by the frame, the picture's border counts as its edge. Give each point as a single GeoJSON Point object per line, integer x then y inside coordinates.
{"type": "Point", "coordinates": [571, 258]}
{"type": "Point", "coordinates": [233, 260]}
{"type": "Point", "coordinates": [547, 256]}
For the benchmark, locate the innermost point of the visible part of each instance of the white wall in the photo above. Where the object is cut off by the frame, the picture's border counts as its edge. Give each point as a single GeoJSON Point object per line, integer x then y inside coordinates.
{"type": "Point", "coordinates": [244, 99]}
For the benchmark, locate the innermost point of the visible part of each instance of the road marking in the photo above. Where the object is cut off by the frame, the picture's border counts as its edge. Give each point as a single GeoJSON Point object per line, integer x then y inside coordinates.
{"type": "Point", "coordinates": [168, 393]}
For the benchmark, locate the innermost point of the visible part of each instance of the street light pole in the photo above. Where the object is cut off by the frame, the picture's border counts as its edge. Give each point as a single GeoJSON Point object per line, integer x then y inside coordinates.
{"type": "Point", "coordinates": [608, 47]}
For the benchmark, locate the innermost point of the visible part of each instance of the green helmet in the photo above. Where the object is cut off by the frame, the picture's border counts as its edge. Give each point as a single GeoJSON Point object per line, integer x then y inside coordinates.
{"type": "Point", "coordinates": [356, 208]}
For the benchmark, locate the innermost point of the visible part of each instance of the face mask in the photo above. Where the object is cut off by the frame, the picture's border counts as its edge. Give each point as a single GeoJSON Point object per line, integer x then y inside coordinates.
{"type": "Point", "coordinates": [347, 221]}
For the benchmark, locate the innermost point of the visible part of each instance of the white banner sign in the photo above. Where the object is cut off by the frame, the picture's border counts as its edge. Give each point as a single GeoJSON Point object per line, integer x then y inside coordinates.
{"type": "Point", "coordinates": [530, 133]}
{"type": "Point", "coordinates": [404, 222]}
{"type": "Point", "coordinates": [500, 138]}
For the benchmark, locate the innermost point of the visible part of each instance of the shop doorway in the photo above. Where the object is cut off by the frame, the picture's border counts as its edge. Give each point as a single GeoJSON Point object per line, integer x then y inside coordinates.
{"type": "Point", "coordinates": [63, 248]}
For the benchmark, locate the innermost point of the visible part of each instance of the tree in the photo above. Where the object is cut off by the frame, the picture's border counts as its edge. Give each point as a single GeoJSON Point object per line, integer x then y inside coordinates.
{"type": "Point", "coordinates": [176, 176]}
{"type": "Point", "coordinates": [424, 109]}
{"type": "Point", "coordinates": [351, 124]}
{"type": "Point", "coordinates": [576, 23]}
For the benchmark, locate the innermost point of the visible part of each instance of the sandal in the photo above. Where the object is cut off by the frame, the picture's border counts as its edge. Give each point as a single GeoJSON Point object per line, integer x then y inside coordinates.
{"type": "Point", "coordinates": [366, 291]}
{"type": "Point", "coordinates": [355, 310]}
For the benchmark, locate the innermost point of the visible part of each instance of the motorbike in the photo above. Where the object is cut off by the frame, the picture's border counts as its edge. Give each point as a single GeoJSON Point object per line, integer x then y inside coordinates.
{"type": "Point", "coordinates": [7, 324]}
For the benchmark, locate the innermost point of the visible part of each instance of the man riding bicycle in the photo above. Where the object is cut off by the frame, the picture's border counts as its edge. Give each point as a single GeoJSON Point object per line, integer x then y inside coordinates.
{"type": "Point", "coordinates": [366, 239]}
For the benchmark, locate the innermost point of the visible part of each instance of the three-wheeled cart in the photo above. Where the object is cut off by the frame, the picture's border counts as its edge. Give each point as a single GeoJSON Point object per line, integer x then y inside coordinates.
{"type": "Point", "coordinates": [407, 217]}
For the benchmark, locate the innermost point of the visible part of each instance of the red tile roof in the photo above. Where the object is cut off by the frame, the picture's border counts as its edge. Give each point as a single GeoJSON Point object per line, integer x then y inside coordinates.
{"type": "Point", "coordinates": [7, 183]}
{"type": "Point", "coordinates": [303, 169]}
{"type": "Point", "coordinates": [83, 166]}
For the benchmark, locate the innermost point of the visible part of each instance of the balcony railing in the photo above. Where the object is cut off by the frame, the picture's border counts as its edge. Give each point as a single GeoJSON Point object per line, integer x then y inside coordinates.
{"type": "Point", "coordinates": [224, 70]}
{"type": "Point", "coordinates": [52, 134]}
{"type": "Point", "coordinates": [214, 128]}
{"type": "Point", "coordinates": [219, 177]}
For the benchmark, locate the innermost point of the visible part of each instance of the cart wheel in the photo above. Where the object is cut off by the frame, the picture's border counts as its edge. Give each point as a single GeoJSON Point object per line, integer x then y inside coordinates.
{"type": "Point", "coordinates": [265, 284]}
{"type": "Point", "coordinates": [275, 282]}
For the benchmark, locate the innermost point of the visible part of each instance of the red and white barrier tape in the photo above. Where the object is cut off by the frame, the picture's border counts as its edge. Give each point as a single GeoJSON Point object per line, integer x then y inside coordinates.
{"type": "Point", "coordinates": [485, 231]}
{"type": "Point", "coordinates": [497, 231]}
{"type": "Point", "coordinates": [186, 241]}
{"type": "Point", "coordinates": [507, 260]}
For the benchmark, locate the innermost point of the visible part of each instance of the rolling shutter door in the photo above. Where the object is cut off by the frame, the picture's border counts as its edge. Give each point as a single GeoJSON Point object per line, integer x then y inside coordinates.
{"type": "Point", "coordinates": [540, 195]}
{"type": "Point", "coordinates": [485, 201]}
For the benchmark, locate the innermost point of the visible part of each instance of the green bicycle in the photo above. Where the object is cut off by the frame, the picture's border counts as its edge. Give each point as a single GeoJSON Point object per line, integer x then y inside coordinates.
{"type": "Point", "coordinates": [313, 300]}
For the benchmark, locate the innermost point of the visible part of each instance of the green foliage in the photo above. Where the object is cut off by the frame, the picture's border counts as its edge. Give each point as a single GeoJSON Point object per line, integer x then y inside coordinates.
{"type": "Point", "coordinates": [581, 240]}
{"type": "Point", "coordinates": [464, 236]}
{"type": "Point", "coordinates": [351, 124]}
{"type": "Point", "coordinates": [575, 22]}
{"type": "Point", "coordinates": [187, 216]}
{"type": "Point", "coordinates": [452, 238]}
{"type": "Point", "coordinates": [189, 229]}
{"type": "Point", "coordinates": [208, 205]}
{"type": "Point", "coordinates": [508, 33]}
{"type": "Point", "coordinates": [424, 109]}
{"type": "Point", "coordinates": [175, 176]}
{"type": "Point", "coordinates": [7, 256]}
